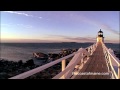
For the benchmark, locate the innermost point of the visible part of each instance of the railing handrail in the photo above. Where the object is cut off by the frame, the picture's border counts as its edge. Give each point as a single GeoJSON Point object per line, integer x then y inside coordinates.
{"type": "Point", "coordinates": [90, 46]}
{"type": "Point", "coordinates": [63, 72]}
{"type": "Point", "coordinates": [113, 58]}
{"type": "Point", "coordinates": [113, 70]}
{"type": "Point", "coordinates": [111, 54]}
{"type": "Point", "coordinates": [40, 68]}
{"type": "Point", "coordinates": [43, 67]}
{"type": "Point", "coordinates": [75, 60]}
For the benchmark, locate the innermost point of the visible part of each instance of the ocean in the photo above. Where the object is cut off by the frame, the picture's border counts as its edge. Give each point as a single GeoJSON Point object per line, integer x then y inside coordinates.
{"type": "Point", "coordinates": [24, 51]}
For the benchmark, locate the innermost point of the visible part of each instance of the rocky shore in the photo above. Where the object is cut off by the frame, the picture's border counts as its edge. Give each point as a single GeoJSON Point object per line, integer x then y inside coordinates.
{"type": "Point", "coordinates": [10, 68]}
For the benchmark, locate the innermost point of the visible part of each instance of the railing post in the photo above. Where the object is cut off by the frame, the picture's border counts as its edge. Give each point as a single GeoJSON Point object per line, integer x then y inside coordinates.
{"type": "Point", "coordinates": [82, 60]}
{"type": "Point", "coordinates": [119, 71]}
{"type": "Point", "coordinates": [63, 65]}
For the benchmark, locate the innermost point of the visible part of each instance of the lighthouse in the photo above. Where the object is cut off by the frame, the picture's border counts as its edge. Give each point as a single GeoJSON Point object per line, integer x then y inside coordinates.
{"type": "Point", "coordinates": [100, 37]}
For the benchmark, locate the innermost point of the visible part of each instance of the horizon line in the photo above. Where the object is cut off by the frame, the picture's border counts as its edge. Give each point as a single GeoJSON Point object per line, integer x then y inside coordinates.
{"type": "Point", "coordinates": [61, 42]}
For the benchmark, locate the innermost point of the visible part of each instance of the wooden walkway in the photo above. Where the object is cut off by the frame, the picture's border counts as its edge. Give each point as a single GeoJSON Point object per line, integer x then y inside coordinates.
{"type": "Point", "coordinates": [95, 64]}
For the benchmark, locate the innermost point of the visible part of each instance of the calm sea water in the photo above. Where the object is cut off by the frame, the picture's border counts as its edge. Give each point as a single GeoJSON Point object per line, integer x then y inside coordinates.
{"type": "Point", "coordinates": [24, 51]}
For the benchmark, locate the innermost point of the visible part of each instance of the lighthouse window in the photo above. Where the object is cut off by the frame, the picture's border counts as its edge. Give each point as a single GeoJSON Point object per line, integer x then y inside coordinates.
{"type": "Point", "coordinates": [99, 33]}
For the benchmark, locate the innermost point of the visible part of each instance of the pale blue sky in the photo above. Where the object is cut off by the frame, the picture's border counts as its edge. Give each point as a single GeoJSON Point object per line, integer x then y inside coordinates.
{"type": "Point", "coordinates": [59, 26]}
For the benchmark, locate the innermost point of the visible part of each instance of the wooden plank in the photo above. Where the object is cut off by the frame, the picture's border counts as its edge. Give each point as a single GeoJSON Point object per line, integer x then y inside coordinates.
{"type": "Point", "coordinates": [102, 65]}
{"type": "Point", "coordinates": [95, 67]}
{"type": "Point", "coordinates": [92, 66]}
{"type": "Point", "coordinates": [84, 69]}
{"type": "Point", "coordinates": [95, 64]}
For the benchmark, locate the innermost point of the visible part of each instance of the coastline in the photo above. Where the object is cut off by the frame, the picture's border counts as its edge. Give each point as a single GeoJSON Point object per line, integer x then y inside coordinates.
{"type": "Point", "coordinates": [11, 68]}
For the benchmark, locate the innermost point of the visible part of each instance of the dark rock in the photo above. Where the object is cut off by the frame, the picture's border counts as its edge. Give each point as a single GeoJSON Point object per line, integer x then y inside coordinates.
{"type": "Point", "coordinates": [29, 62]}
{"type": "Point", "coordinates": [3, 75]}
{"type": "Point", "coordinates": [41, 56]}
{"type": "Point", "coordinates": [20, 62]}
{"type": "Point", "coordinates": [53, 56]}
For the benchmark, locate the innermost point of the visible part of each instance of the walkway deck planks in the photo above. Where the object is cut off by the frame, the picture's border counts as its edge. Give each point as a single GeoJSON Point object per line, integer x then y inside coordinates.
{"type": "Point", "coordinates": [95, 64]}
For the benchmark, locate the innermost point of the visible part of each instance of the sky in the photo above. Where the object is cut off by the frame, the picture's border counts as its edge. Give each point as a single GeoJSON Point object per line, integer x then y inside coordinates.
{"type": "Point", "coordinates": [59, 26]}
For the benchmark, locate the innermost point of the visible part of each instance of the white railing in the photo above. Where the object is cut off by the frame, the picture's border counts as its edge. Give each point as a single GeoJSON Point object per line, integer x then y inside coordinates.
{"type": "Point", "coordinates": [91, 48]}
{"type": "Point", "coordinates": [111, 61]}
{"type": "Point", "coordinates": [66, 70]}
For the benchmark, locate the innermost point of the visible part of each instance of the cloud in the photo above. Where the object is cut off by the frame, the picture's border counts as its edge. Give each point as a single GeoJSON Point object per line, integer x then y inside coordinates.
{"type": "Point", "coordinates": [26, 26]}
{"type": "Point", "coordinates": [112, 41]}
{"type": "Point", "coordinates": [108, 28]}
{"type": "Point", "coordinates": [94, 22]}
{"type": "Point", "coordinates": [24, 14]}
{"type": "Point", "coordinates": [39, 17]}
{"type": "Point", "coordinates": [18, 25]}
{"type": "Point", "coordinates": [81, 39]}
{"type": "Point", "coordinates": [78, 39]}
{"type": "Point", "coordinates": [19, 13]}
{"type": "Point", "coordinates": [73, 39]}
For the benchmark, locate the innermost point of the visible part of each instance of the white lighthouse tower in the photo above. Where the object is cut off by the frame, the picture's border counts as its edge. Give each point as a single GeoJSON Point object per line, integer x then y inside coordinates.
{"type": "Point", "coordinates": [100, 37]}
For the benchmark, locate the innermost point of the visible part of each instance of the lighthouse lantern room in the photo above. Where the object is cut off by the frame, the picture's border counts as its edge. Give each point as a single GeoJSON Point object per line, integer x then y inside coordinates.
{"type": "Point", "coordinates": [100, 37]}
